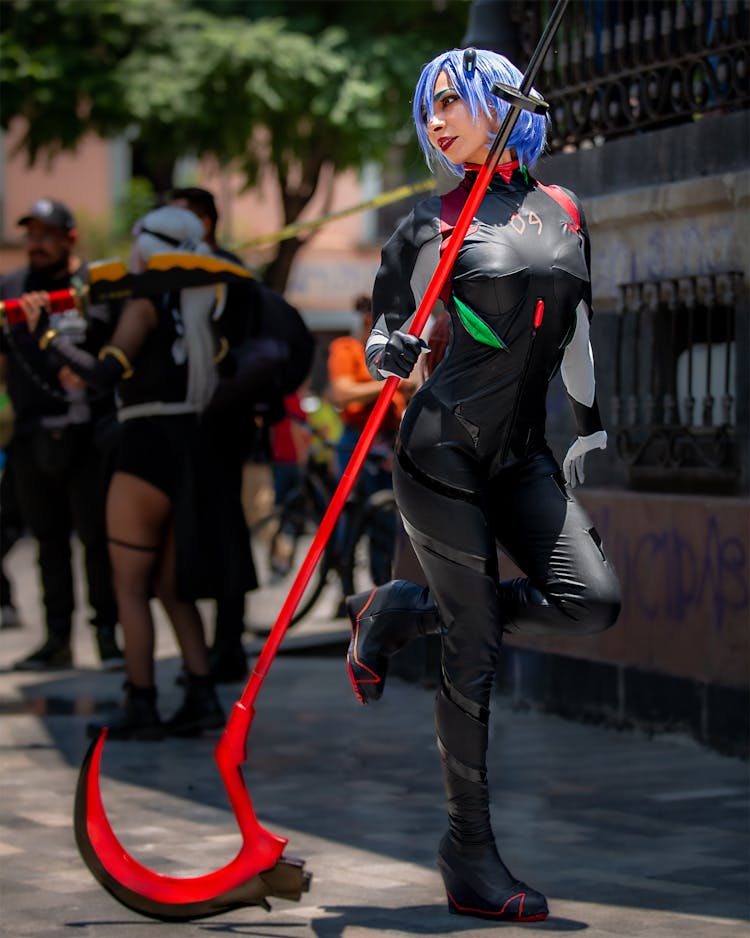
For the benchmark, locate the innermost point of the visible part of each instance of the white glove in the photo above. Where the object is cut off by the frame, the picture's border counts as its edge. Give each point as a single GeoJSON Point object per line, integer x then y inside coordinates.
{"type": "Point", "coordinates": [573, 463]}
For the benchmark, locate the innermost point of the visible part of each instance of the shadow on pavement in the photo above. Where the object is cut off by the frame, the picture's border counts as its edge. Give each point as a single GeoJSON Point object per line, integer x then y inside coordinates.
{"type": "Point", "coordinates": [588, 814]}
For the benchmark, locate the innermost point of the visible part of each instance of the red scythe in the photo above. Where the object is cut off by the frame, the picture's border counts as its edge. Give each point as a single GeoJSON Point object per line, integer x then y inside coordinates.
{"type": "Point", "coordinates": [259, 870]}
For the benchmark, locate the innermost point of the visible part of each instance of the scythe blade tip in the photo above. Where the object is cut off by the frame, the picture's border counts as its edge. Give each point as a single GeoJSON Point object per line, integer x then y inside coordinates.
{"type": "Point", "coordinates": [287, 879]}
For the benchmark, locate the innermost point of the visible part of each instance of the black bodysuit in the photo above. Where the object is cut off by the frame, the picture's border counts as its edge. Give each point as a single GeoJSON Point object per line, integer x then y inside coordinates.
{"type": "Point", "coordinates": [473, 468]}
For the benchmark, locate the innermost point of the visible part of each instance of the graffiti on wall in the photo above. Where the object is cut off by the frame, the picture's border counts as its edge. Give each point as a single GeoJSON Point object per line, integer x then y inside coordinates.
{"type": "Point", "coordinates": [661, 250]}
{"type": "Point", "coordinates": [672, 575]}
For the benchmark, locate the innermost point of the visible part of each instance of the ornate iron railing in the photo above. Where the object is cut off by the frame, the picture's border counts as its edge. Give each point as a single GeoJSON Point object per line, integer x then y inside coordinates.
{"type": "Point", "coordinates": [627, 65]}
{"type": "Point", "coordinates": [674, 402]}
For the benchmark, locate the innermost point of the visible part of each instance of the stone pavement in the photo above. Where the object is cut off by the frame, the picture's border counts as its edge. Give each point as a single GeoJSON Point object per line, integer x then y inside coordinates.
{"type": "Point", "coordinates": [627, 836]}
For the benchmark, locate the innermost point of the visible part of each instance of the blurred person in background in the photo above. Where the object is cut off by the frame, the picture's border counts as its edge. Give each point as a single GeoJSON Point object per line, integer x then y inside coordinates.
{"type": "Point", "coordinates": [11, 524]}
{"type": "Point", "coordinates": [231, 434]}
{"type": "Point", "coordinates": [354, 391]}
{"type": "Point", "coordinates": [161, 526]}
{"type": "Point", "coordinates": [270, 355]}
{"type": "Point", "coordinates": [290, 444]}
{"type": "Point", "coordinates": [11, 530]}
{"type": "Point", "coordinates": [58, 457]}
{"type": "Point", "coordinates": [327, 428]}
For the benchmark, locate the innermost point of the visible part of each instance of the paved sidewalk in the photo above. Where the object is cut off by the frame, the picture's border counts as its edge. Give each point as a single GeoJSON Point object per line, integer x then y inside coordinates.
{"type": "Point", "coordinates": [627, 836]}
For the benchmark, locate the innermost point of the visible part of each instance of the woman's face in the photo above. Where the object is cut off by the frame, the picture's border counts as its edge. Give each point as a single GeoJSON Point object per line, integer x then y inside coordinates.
{"type": "Point", "coordinates": [453, 130]}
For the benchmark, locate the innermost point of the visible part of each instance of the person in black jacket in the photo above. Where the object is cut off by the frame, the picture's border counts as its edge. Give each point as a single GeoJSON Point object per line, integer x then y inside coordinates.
{"type": "Point", "coordinates": [270, 355]}
{"type": "Point", "coordinates": [231, 438]}
{"type": "Point", "coordinates": [162, 528]}
{"type": "Point", "coordinates": [473, 470]}
{"type": "Point", "coordinates": [59, 454]}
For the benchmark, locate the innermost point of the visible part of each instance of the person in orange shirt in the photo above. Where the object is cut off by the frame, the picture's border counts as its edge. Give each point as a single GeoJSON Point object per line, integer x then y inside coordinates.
{"type": "Point", "coordinates": [354, 391]}
{"type": "Point", "coordinates": [290, 441]}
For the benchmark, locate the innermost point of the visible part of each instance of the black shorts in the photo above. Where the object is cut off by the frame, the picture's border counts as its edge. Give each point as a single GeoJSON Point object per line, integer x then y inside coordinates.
{"type": "Point", "coordinates": [158, 449]}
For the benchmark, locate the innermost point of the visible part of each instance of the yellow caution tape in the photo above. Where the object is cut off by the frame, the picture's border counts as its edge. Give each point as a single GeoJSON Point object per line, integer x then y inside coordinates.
{"type": "Point", "coordinates": [291, 231]}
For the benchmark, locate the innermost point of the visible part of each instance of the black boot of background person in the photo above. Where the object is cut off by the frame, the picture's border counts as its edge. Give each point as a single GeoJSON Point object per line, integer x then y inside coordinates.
{"type": "Point", "coordinates": [110, 656]}
{"type": "Point", "coordinates": [138, 717]}
{"type": "Point", "coordinates": [226, 658]}
{"type": "Point", "coordinates": [383, 620]}
{"type": "Point", "coordinates": [54, 654]}
{"type": "Point", "coordinates": [477, 882]}
{"type": "Point", "coordinates": [11, 530]}
{"type": "Point", "coordinates": [200, 710]}
{"type": "Point", "coordinates": [227, 663]}
{"type": "Point", "coordinates": [9, 618]}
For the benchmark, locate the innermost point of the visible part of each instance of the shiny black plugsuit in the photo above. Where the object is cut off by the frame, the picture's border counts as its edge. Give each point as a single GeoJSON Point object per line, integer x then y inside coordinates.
{"type": "Point", "coordinates": [473, 469]}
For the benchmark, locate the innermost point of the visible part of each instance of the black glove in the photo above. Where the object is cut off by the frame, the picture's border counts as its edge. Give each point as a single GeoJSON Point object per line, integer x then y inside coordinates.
{"type": "Point", "coordinates": [400, 354]}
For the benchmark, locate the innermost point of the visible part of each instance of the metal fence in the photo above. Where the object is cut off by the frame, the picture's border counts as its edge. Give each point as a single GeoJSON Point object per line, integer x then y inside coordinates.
{"type": "Point", "coordinates": [675, 397]}
{"type": "Point", "coordinates": [620, 66]}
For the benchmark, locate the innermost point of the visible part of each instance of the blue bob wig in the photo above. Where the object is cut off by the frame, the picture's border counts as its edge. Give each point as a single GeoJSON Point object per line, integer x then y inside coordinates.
{"type": "Point", "coordinates": [528, 135]}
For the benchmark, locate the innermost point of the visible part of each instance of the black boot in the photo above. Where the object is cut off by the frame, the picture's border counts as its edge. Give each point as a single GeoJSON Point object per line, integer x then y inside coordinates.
{"type": "Point", "coordinates": [227, 663]}
{"type": "Point", "coordinates": [111, 657]}
{"type": "Point", "coordinates": [137, 719]}
{"type": "Point", "coordinates": [477, 882]}
{"type": "Point", "coordinates": [200, 709]}
{"type": "Point", "coordinates": [383, 620]}
{"type": "Point", "coordinates": [53, 655]}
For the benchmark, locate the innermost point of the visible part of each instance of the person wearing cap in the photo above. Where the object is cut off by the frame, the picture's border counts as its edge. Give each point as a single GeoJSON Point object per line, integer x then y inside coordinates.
{"type": "Point", "coordinates": [60, 442]}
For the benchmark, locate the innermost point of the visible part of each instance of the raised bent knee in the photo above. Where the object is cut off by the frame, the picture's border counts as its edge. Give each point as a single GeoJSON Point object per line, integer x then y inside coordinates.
{"type": "Point", "coordinates": [600, 614]}
{"type": "Point", "coordinates": [561, 611]}
{"type": "Point", "coordinates": [600, 604]}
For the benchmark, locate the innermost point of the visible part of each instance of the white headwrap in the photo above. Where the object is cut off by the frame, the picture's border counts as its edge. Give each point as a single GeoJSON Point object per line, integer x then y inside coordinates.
{"type": "Point", "coordinates": [196, 303]}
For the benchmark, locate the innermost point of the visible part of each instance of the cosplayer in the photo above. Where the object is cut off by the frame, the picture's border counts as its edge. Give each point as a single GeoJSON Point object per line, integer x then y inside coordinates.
{"type": "Point", "coordinates": [162, 360]}
{"type": "Point", "coordinates": [473, 469]}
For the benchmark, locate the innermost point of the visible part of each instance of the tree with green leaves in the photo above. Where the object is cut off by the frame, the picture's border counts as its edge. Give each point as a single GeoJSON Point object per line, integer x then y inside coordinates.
{"type": "Point", "coordinates": [311, 90]}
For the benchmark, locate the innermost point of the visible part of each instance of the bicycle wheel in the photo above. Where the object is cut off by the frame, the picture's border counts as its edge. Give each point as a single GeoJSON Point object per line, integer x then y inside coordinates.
{"type": "Point", "coordinates": [375, 541]}
{"type": "Point", "coordinates": [280, 543]}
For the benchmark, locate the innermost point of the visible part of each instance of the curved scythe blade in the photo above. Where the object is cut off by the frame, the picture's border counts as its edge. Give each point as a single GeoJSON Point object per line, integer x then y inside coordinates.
{"type": "Point", "coordinates": [257, 872]}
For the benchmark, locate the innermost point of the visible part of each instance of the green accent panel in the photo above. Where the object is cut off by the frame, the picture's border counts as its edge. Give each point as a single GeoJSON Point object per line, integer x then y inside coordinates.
{"type": "Point", "coordinates": [571, 332]}
{"type": "Point", "coordinates": [476, 327]}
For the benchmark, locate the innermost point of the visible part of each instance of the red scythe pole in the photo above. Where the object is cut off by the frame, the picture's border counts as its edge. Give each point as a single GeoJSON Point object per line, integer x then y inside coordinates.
{"type": "Point", "coordinates": [259, 870]}
{"type": "Point", "coordinates": [58, 301]}
{"type": "Point", "coordinates": [111, 280]}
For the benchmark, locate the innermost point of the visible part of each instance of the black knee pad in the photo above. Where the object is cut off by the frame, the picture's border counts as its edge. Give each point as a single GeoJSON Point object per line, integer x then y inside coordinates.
{"type": "Point", "coordinates": [601, 614]}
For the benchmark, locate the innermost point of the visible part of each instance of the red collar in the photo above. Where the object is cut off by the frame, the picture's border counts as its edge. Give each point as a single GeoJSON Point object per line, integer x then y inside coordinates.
{"type": "Point", "coordinates": [505, 170]}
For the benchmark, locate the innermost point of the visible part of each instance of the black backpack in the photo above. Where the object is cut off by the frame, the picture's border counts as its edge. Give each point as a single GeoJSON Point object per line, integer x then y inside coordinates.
{"type": "Point", "coordinates": [276, 318]}
{"type": "Point", "coordinates": [272, 351]}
